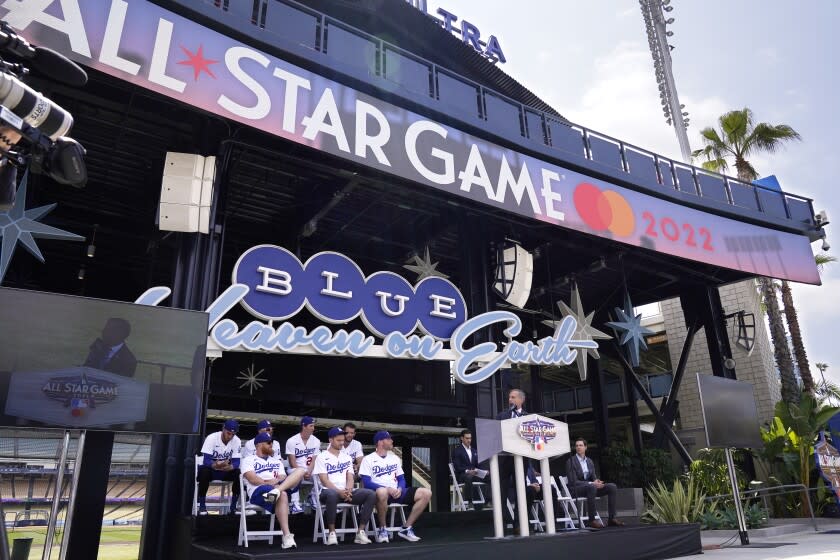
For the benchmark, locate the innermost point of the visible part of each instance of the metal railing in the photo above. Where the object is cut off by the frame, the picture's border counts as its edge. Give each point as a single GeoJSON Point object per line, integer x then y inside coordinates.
{"type": "Point", "coordinates": [770, 491]}
{"type": "Point", "coordinates": [287, 20]}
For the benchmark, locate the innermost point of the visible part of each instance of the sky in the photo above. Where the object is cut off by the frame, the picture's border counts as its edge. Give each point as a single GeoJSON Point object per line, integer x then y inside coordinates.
{"type": "Point", "coordinates": [590, 61]}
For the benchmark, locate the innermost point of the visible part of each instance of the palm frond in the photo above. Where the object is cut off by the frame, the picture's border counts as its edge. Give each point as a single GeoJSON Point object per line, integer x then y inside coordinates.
{"type": "Point", "coordinates": [769, 138]}
{"type": "Point", "coordinates": [823, 259]}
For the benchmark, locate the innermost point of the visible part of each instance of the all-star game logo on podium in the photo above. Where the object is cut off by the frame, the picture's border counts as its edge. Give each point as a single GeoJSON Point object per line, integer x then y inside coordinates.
{"type": "Point", "coordinates": [80, 393]}
{"type": "Point", "coordinates": [537, 433]}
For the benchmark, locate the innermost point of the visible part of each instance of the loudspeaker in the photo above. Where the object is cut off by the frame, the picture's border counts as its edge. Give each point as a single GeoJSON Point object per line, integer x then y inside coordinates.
{"type": "Point", "coordinates": [186, 193]}
{"type": "Point", "coordinates": [181, 190]}
{"type": "Point", "coordinates": [514, 273]}
{"type": "Point", "coordinates": [178, 217]}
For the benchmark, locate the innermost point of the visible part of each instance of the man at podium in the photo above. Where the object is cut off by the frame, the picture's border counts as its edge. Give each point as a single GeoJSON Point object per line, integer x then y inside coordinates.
{"type": "Point", "coordinates": [516, 409]}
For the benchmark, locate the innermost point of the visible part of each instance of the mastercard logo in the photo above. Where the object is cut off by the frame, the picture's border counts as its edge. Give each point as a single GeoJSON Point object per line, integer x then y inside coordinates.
{"type": "Point", "coordinates": [604, 210]}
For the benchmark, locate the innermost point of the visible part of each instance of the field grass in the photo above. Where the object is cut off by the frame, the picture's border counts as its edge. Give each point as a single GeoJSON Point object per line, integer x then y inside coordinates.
{"type": "Point", "coordinates": [116, 543]}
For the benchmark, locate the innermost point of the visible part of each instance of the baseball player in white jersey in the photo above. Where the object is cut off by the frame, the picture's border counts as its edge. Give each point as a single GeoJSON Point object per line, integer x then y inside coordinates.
{"type": "Point", "coordinates": [334, 472]}
{"type": "Point", "coordinates": [301, 450]}
{"type": "Point", "coordinates": [221, 451]}
{"type": "Point", "coordinates": [352, 446]}
{"type": "Point", "coordinates": [382, 472]}
{"type": "Point", "coordinates": [268, 486]}
{"type": "Point", "coordinates": [263, 426]}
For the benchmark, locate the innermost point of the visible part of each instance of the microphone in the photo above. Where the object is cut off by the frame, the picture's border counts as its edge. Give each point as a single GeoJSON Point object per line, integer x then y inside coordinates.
{"type": "Point", "coordinates": [45, 60]}
{"type": "Point", "coordinates": [59, 67]}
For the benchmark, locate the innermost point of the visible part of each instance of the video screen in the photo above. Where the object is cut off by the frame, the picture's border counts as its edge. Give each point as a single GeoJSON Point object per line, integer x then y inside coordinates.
{"type": "Point", "coordinates": [729, 412]}
{"type": "Point", "coordinates": [76, 362]}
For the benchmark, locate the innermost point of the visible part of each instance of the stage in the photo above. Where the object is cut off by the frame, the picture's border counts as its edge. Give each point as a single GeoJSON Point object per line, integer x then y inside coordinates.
{"type": "Point", "coordinates": [451, 535]}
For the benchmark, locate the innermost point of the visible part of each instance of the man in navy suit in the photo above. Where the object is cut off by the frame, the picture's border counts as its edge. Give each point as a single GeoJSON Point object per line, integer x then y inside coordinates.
{"type": "Point", "coordinates": [465, 464]}
{"type": "Point", "coordinates": [584, 483]}
{"type": "Point", "coordinates": [516, 404]}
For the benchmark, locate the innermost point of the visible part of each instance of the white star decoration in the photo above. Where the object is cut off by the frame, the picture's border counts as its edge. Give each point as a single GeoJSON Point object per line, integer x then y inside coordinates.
{"type": "Point", "coordinates": [19, 225]}
{"type": "Point", "coordinates": [584, 332]}
{"type": "Point", "coordinates": [251, 379]}
{"type": "Point", "coordinates": [424, 267]}
{"type": "Point", "coordinates": [633, 332]}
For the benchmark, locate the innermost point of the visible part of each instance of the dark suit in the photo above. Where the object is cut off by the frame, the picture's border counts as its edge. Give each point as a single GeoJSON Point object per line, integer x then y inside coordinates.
{"type": "Point", "coordinates": [122, 362]}
{"type": "Point", "coordinates": [581, 486]}
{"type": "Point", "coordinates": [506, 469]}
{"type": "Point", "coordinates": [462, 463]}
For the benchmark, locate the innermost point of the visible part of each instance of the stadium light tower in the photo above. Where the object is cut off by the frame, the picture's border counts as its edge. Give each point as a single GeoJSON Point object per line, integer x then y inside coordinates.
{"type": "Point", "coordinates": [654, 12]}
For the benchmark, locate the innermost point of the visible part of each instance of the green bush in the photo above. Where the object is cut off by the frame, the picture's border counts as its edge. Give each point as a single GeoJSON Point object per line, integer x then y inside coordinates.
{"type": "Point", "coordinates": [755, 515]}
{"type": "Point", "coordinates": [711, 473]}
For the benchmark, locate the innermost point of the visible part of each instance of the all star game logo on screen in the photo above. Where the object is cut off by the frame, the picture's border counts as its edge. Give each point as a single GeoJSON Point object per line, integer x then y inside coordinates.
{"type": "Point", "coordinates": [80, 393]}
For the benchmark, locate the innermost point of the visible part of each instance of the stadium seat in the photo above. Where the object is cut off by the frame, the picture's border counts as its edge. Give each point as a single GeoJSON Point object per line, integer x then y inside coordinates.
{"type": "Point", "coordinates": [245, 510]}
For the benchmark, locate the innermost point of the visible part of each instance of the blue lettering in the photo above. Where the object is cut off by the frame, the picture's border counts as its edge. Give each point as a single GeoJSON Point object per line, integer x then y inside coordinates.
{"type": "Point", "coordinates": [494, 50]}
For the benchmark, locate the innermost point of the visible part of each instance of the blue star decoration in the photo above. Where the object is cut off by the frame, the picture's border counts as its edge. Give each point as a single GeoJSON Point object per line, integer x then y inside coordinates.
{"type": "Point", "coordinates": [629, 327]}
{"type": "Point", "coordinates": [19, 225]}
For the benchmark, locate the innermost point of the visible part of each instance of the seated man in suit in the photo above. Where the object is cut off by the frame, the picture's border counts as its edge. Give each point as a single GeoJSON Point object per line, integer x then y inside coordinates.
{"type": "Point", "coordinates": [533, 491]}
{"type": "Point", "coordinates": [465, 465]}
{"type": "Point", "coordinates": [584, 483]}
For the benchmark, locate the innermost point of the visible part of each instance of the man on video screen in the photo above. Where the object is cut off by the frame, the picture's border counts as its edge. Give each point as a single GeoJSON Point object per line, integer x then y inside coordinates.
{"type": "Point", "coordinates": [110, 352]}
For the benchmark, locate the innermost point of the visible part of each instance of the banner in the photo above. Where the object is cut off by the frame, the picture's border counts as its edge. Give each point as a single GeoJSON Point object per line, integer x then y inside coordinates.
{"type": "Point", "coordinates": [827, 459]}
{"type": "Point", "coordinates": [147, 45]}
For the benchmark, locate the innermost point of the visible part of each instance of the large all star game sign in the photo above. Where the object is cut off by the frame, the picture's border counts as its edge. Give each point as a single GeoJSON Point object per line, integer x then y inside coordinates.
{"type": "Point", "coordinates": [427, 320]}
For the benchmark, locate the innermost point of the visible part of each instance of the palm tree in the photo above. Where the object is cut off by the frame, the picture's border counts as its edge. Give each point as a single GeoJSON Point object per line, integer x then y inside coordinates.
{"type": "Point", "coordinates": [739, 138]}
{"type": "Point", "coordinates": [793, 326]}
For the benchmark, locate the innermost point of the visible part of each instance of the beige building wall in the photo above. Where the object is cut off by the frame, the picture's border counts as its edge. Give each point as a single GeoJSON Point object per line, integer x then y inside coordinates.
{"type": "Point", "coordinates": [757, 367]}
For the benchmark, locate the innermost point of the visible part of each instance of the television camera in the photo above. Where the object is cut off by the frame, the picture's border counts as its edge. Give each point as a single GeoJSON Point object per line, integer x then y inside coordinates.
{"type": "Point", "coordinates": [33, 128]}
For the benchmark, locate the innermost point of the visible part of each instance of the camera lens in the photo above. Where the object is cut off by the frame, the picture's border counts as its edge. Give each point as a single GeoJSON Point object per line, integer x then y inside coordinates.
{"type": "Point", "coordinates": [35, 109]}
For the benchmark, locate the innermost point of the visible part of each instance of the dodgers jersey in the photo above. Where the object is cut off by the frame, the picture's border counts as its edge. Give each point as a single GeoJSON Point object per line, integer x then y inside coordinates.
{"type": "Point", "coordinates": [251, 449]}
{"type": "Point", "coordinates": [265, 468]}
{"type": "Point", "coordinates": [382, 470]}
{"type": "Point", "coordinates": [354, 450]}
{"type": "Point", "coordinates": [220, 451]}
{"type": "Point", "coordinates": [304, 452]}
{"type": "Point", "coordinates": [334, 466]}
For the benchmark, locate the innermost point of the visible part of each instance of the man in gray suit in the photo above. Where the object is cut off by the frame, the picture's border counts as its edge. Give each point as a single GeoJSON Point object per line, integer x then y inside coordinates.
{"type": "Point", "coordinates": [584, 483]}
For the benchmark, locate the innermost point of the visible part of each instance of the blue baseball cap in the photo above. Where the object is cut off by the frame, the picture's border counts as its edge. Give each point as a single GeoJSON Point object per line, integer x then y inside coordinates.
{"type": "Point", "coordinates": [231, 425]}
{"type": "Point", "coordinates": [263, 424]}
{"type": "Point", "coordinates": [336, 431]}
{"type": "Point", "coordinates": [380, 435]}
{"type": "Point", "coordinates": [306, 420]}
{"type": "Point", "coordinates": [262, 438]}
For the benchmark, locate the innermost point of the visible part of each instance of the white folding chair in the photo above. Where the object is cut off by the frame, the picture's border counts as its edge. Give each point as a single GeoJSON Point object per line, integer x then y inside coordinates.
{"type": "Point", "coordinates": [567, 503]}
{"type": "Point", "coordinates": [458, 501]}
{"type": "Point", "coordinates": [223, 503]}
{"type": "Point", "coordinates": [538, 526]}
{"type": "Point", "coordinates": [343, 509]}
{"type": "Point", "coordinates": [246, 509]}
{"type": "Point", "coordinates": [579, 503]}
{"type": "Point", "coordinates": [390, 514]}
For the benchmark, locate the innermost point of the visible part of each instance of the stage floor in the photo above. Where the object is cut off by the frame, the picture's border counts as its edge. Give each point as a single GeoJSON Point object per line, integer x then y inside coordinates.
{"type": "Point", "coordinates": [457, 535]}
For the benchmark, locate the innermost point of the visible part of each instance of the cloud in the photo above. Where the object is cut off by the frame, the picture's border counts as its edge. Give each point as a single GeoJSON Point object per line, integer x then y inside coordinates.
{"type": "Point", "coordinates": [622, 101]}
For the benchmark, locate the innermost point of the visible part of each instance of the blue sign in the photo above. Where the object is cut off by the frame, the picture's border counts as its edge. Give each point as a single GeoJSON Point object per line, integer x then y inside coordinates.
{"type": "Point", "coordinates": [334, 289]}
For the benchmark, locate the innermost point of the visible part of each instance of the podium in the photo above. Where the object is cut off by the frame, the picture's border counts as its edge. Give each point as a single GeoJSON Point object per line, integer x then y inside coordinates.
{"type": "Point", "coordinates": [532, 436]}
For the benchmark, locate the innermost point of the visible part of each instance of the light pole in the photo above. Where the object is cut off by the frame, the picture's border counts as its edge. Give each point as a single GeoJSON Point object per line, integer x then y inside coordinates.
{"type": "Point", "coordinates": [654, 13]}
